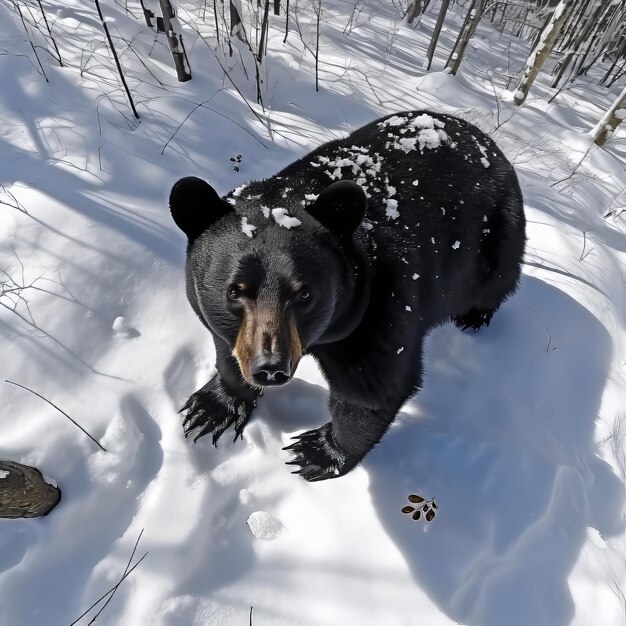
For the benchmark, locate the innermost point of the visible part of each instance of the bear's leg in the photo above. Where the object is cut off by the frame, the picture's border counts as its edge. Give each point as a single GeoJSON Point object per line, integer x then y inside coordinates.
{"type": "Point", "coordinates": [337, 447]}
{"type": "Point", "coordinates": [501, 253]}
{"type": "Point", "coordinates": [226, 400]}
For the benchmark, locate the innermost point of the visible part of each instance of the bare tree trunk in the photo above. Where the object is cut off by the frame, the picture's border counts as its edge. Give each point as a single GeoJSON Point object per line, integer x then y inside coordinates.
{"type": "Point", "coordinates": [175, 41]}
{"type": "Point", "coordinates": [621, 72]}
{"type": "Point", "coordinates": [470, 25]}
{"type": "Point", "coordinates": [148, 13]}
{"type": "Point", "coordinates": [571, 13]}
{"type": "Point", "coordinates": [620, 52]}
{"type": "Point", "coordinates": [601, 35]}
{"type": "Point", "coordinates": [437, 31]}
{"type": "Point", "coordinates": [264, 28]}
{"type": "Point", "coordinates": [115, 57]}
{"type": "Point", "coordinates": [317, 46]}
{"type": "Point", "coordinates": [611, 120]}
{"type": "Point", "coordinates": [500, 25]}
{"type": "Point", "coordinates": [541, 52]}
{"type": "Point", "coordinates": [286, 21]}
{"type": "Point", "coordinates": [582, 36]}
{"type": "Point", "coordinates": [416, 8]}
{"type": "Point", "coordinates": [217, 23]}
{"type": "Point", "coordinates": [236, 25]}
{"type": "Point", "coordinates": [24, 492]}
{"type": "Point", "coordinates": [54, 43]}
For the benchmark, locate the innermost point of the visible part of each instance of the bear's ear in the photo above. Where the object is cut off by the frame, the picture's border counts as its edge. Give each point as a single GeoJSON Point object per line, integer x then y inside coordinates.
{"type": "Point", "coordinates": [195, 205]}
{"type": "Point", "coordinates": [340, 207]}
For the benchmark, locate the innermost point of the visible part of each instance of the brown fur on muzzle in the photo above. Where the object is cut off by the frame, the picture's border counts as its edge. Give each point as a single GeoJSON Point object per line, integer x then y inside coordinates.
{"type": "Point", "coordinates": [266, 331]}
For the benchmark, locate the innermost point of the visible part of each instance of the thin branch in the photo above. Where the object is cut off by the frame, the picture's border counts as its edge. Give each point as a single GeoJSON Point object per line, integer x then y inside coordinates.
{"type": "Point", "coordinates": [54, 43]}
{"type": "Point", "coordinates": [203, 105]}
{"type": "Point", "coordinates": [117, 61]}
{"type": "Point", "coordinates": [130, 560]}
{"type": "Point", "coordinates": [575, 169]}
{"type": "Point", "coordinates": [112, 590]}
{"type": "Point", "coordinates": [60, 411]}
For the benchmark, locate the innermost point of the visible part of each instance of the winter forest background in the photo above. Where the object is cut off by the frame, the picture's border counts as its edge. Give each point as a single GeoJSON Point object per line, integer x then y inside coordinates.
{"type": "Point", "coordinates": [520, 430]}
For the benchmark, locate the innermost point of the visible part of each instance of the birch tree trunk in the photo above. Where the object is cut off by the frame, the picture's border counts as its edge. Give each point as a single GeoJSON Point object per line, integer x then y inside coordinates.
{"type": "Point", "coordinates": [541, 52]}
{"type": "Point", "coordinates": [611, 120]}
{"type": "Point", "coordinates": [175, 41]}
{"type": "Point", "coordinates": [467, 32]}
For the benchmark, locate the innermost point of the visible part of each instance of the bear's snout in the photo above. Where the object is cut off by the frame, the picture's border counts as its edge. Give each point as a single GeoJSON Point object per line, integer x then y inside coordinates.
{"type": "Point", "coordinates": [269, 371]}
{"type": "Point", "coordinates": [268, 347]}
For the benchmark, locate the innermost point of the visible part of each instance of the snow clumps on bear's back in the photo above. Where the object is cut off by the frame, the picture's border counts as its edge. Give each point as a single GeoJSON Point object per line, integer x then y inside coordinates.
{"type": "Point", "coordinates": [361, 164]}
{"type": "Point", "coordinates": [410, 132]}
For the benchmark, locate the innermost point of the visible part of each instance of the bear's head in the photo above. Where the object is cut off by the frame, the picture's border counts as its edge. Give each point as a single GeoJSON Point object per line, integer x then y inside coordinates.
{"type": "Point", "coordinates": [272, 284]}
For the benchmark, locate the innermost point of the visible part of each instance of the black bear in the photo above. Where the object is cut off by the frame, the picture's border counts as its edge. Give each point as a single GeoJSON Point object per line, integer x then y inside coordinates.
{"type": "Point", "coordinates": [351, 254]}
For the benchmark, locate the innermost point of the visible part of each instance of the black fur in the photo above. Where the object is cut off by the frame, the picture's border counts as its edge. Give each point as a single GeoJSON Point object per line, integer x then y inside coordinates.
{"type": "Point", "coordinates": [440, 236]}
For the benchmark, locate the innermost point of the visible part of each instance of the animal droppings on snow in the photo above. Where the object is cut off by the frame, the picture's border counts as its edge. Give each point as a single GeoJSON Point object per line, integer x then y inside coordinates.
{"type": "Point", "coordinates": [455, 245]}
{"type": "Point", "coordinates": [4, 473]}
{"type": "Point", "coordinates": [283, 219]}
{"type": "Point", "coordinates": [264, 525]}
{"type": "Point", "coordinates": [246, 228]}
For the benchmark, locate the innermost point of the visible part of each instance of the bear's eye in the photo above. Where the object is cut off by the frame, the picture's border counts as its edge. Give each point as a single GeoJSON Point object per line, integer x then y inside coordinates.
{"type": "Point", "coordinates": [234, 293]}
{"type": "Point", "coordinates": [304, 295]}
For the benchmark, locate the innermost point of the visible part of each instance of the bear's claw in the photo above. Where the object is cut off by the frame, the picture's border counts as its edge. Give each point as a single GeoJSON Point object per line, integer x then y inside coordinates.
{"type": "Point", "coordinates": [318, 455]}
{"type": "Point", "coordinates": [213, 410]}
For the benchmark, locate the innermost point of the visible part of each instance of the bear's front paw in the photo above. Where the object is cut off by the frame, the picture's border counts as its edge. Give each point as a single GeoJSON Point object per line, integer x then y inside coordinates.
{"type": "Point", "coordinates": [318, 455]}
{"type": "Point", "coordinates": [213, 409]}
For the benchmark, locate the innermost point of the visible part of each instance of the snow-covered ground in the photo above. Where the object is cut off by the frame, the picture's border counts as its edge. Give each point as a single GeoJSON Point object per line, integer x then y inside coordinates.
{"type": "Point", "coordinates": [519, 432]}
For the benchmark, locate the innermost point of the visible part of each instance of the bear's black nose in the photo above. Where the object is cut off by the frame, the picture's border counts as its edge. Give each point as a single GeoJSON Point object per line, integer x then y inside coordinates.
{"type": "Point", "coordinates": [270, 372]}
